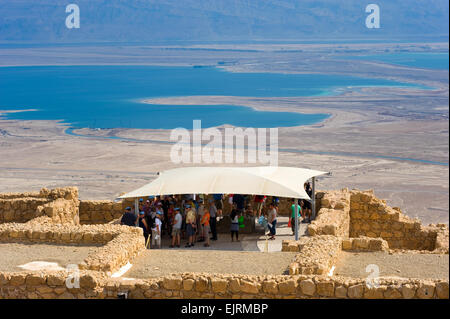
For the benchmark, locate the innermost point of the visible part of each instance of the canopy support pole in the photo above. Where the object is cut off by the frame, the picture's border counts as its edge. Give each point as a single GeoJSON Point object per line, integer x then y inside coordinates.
{"type": "Point", "coordinates": [296, 219]}
{"type": "Point", "coordinates": [313, 199]}
{"type": "Point", "coordinates": [136, 209]}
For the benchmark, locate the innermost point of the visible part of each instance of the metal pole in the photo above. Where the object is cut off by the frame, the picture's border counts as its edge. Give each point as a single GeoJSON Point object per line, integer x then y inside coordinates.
{"type": "Point", "coordinates": [136, 210]}
{"type": "Point", "coordinates": [313, 198]}
{"type": "Point", "coordinates": [296, 219]}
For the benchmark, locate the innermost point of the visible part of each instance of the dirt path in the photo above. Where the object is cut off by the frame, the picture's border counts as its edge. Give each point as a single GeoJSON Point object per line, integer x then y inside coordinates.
{"type": "Point", "coordinates": [16, 254]}
{"type": "Point", "coordinates": [154, 263]}
{"type": "Point", "coordinates": [431, 266]}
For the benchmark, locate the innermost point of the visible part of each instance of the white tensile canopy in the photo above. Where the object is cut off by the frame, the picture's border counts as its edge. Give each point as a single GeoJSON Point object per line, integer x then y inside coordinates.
{"type": "Point", "coordinates": [265, 180]}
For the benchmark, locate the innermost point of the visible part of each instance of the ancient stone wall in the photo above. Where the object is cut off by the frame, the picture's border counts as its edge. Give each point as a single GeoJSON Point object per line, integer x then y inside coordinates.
{"type": "Point", "coordinates": [316, 254]}
{"type": "Point", "coordinates": [22, 207]}
{"type": "Point", "coordinates": [371, 217]}
{"type": "Point", "coordinates": [365, 244]}
{"type": "Point", "coordinates": [333, 217]}
{"type": "Point", "coordinates": [188, 285]}
{"type": "Point", "coordinates": [331, 232]}
{"type": "Point", "coordinates": [100, 211]}
{"type": "Point", "coordinates": [118, 243]}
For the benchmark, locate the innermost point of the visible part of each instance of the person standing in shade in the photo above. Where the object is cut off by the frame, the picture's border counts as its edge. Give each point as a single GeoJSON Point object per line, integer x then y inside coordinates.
{"type": "Point", "coordinates": [234, 216]}
{"type": "Point", "coordinates": [128, 218]}
{"type": "Point", "coordinates": [219, 204]}
{"type": "Point", "coordinates": [156, 231]}
{"type": "Point", "coordinates": [308, 205]}
{"type": "Point", "coordinates": [200, 214]}
{"type": "Point", "coordinates": [259, 201]}
{"type": "Point", "coordinates": [205, 227]}
{"type": "Point", "coordinates": [239, 201]}
{"type": "Point", "coordinates": [213, 220]}
{"type": "Point", "coordinates": [176, 228]}
{"type": "Point", "coordinates": [272, 219]}
{"type": "Point", "coordinates": [190, 226]}
{"type": "Point", "coordinates": [143, 225]}
{"type": "Point", "coordinates": [292, 218]}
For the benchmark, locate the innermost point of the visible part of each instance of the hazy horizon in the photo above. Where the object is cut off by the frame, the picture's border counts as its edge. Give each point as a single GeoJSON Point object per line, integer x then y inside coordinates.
{"type": "Point", "coordinates": [222, 21]}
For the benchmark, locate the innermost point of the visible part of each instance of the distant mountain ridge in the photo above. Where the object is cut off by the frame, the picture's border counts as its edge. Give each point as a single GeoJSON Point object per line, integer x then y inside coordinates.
{"type": "Point", "coordinates": [218, 20]}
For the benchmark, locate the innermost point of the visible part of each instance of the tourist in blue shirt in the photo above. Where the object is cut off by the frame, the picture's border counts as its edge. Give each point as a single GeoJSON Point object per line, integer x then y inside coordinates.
{"type": "Point", "coordinates": [128, 218]}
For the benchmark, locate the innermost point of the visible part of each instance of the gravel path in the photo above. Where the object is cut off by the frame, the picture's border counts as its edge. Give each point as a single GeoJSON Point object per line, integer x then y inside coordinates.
{"type": "Point", "coordinates": [430, 266]}
{"type": "Point", "coordinates": [153, 263]}
{"type": "Point", "coordinates": [16, 254]}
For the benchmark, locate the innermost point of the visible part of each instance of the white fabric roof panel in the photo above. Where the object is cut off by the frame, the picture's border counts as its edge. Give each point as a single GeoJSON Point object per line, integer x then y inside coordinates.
{"type": "Point", "coordinates": [264, 180]}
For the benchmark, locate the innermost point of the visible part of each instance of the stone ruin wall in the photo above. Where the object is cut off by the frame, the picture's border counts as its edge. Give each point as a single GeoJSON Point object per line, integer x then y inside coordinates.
{"type": "Point", "coordinates": [371, 217]}
{"type": "Point", "coordinates": [358, 221]}
{"type": "Point", "coordinates": [330, 233]}
{"type": "Point", "coordinates": [94, 284]}
{"type": "Point", "coordinates": [60, 204]}
{"type": "Point", "coordinates": [118, 243]}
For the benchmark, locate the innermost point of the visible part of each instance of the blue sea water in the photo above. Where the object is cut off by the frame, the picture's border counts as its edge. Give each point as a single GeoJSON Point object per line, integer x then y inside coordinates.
{"type": "Point", "coordinates": [108, 96]}
{"type": "Point", "coordinates": [427, 60]}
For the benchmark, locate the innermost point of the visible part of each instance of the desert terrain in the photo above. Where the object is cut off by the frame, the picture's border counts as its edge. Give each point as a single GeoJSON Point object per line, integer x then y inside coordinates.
{"type": "Point", "coordinates": [392, 140]}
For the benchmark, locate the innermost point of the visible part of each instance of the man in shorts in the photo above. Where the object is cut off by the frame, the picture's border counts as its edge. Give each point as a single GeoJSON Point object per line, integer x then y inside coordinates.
{"type": "Point", "coordinates": [176, 228]}
{"type": "Point", "coordinates": [205, 227]}
{"type": "Point", "coordinates": [190, 226]}
{"type": "Point", "coordinates": [156, 231]}
{"type": "Point", "coordinates": [259, 202]}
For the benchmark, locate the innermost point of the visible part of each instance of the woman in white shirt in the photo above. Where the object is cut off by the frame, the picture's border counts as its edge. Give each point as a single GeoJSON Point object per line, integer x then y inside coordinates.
{"type": "Point", "coordinates": [272, 219]}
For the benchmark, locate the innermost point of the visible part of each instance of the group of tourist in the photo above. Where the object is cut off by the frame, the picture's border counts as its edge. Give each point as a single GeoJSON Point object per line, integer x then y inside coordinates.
{"type": "Point", "coordinates": [194, 218]}
{"type": "Point", "coordinates": [177, 216]}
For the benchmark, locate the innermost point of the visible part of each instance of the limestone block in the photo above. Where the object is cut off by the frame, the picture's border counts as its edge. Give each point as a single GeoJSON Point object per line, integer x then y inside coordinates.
{"type": "Point", "coordinates": [392, 293]}
{"type": "Point", "coordinates": [356, 291]}
{"type": "Point", "coordinates": [172, 283]}
{"type": "Point", "coordinates": [287, 287]}
{"type": "Point", "coordinates": [442, 290]}
{"type": "Point", "coordinates": [308, 287]}
{"type": "Point", "coordinates": [219, 285]}
{"type": "Point", "coordinates": [201, 284]}
{"type": "Point", "coordinates": [408, 291]}
{"type": "Point", "coordinates": [426, 290]}
{"type": "Point", "coordinates": [325, 288]}
{"type": "Point", "coordinates": [249, 287]}
{"type": "Point", "coordinates": [341, 292]}
{"type": "Point", "coordinates": [270, 287]}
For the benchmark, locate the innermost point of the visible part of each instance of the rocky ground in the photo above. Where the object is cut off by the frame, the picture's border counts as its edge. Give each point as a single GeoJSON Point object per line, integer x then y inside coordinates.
{"type": "Point", "coordinates": [156, 263]}
{"type": "Point", "coordinates": [407, 265]}
{"type": "Point", "coordinates": [17, 254]}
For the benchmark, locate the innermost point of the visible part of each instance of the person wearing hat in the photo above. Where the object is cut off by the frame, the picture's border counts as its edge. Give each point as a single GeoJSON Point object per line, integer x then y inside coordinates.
{"type": "Point", "coordinates": [176, 228]}
{"type": "Point", "coordinates": [205, 227]}
{"type": "Point", "coordinates": [213, 219]}
{"type": "Point", "coordinates": [128, 218]}
{"type": "Point", "coordinates": [143, 225]}
{"type": "Point", "coordinates": [156, 231]}
{"type": "Point", "coordinates": [190, 225]}
{"type": "Point", "coordinates": [200, 214]}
